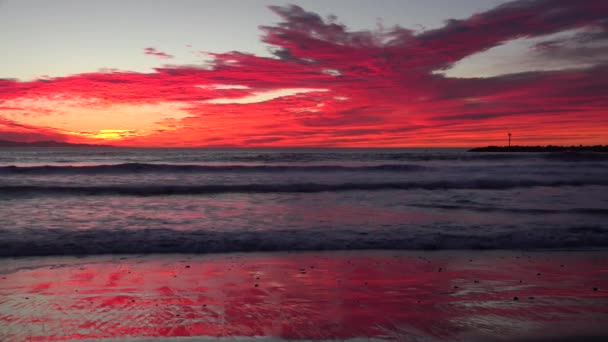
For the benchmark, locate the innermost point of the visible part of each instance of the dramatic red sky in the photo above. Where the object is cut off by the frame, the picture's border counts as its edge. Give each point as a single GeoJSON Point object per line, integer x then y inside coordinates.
{"type": "Point", "coordinates": [536, 68]}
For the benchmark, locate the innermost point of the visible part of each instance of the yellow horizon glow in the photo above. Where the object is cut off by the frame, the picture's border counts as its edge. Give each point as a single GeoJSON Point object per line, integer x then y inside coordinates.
{"type": "Point", "coordinates": [96, 119]}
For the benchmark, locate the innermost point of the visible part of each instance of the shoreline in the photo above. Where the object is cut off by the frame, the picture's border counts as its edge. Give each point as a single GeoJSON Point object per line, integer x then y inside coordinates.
{"type": "Point", "coordinates": [323, 295]}
{"type": "Point", "coordinates": [114, 256]}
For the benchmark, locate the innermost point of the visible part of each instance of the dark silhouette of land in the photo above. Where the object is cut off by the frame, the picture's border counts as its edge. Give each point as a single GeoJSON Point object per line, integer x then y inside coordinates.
{"type": "Point", "coordinates": [548, 148]}
{"type": "Point", "coordinates": [50, 143]}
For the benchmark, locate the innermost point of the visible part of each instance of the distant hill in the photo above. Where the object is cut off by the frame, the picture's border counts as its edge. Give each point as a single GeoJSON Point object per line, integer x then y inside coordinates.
{"type": "Point", "coordinates": [548, 148]}
{"type": "Point", "coordinates": [7, 143]}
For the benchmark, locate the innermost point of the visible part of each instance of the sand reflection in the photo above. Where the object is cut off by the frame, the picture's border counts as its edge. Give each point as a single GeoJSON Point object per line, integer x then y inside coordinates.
{"type": "Point", "coordinates": [333, 295]}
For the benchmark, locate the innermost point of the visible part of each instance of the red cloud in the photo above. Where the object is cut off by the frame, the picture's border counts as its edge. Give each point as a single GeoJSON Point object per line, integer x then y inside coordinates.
{"type": "Point", "coordinates": [379, 87]}
{"type": "Point", "coordinates": [153, 52]}
{"type": "Point", "coordinates": [12, 131]}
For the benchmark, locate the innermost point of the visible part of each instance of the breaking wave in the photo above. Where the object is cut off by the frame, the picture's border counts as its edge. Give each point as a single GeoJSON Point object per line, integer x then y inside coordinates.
{"type": "Point", "coordinates": [191, 168]}
{"type": "Point", "coordinates": [170, 189]}
{"type": "Point", "coordinates": [45, 242]}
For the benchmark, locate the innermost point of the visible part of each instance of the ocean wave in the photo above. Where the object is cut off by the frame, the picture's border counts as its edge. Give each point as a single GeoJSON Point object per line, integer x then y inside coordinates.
{"type": "Point", "coordinates": [46, 242]}
{"type": "Point", "coordinates": [585, 211]}
{"type": "Point", "coordinates": [576, 157]}
{"type": "Point", "coordinates": [128, 168]}
{"type": "Point", "coordinates": [171, 189]}
{"type": "Point", "coordinates": [253, 156]}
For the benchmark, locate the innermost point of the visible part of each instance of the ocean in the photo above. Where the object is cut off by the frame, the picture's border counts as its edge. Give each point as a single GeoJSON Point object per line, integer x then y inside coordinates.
{"type": "Point", "coordinates": [88, 201]}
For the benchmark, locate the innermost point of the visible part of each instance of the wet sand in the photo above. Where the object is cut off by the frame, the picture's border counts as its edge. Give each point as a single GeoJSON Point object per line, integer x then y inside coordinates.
{"type": "Point", "coordinates": [406, 296]}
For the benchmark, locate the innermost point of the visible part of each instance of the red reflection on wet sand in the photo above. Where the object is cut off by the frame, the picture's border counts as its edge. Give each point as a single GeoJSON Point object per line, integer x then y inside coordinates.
{"type": "Point", "coordinates": [333, 295]}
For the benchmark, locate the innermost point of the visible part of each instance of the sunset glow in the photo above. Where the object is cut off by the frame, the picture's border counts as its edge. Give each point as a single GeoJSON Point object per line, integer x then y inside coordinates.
{"type": "Point", "coordinates": [535, 68]}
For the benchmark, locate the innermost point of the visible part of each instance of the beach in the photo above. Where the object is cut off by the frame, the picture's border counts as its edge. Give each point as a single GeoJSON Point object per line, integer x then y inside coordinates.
{"type": "Point", "coordinates": [310, 244]}
{"type": "Point", "coordinates": [398, 295]}
{"type": "Point", "coordinates": [417, 171]}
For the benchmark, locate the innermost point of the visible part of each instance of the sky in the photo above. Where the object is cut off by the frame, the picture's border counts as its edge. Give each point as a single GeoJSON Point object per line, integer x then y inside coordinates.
{"type": "Point", "coordinates": [334, 73]}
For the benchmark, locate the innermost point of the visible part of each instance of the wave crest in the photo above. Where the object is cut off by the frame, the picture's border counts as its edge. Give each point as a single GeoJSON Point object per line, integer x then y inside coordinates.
{"type": "Point", "coordinates": [45, 242]}
{"type": "Point", "coordinates": [128, 168]}
{"type": "Point", "coordinates": [167, 190]}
